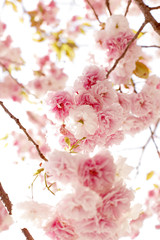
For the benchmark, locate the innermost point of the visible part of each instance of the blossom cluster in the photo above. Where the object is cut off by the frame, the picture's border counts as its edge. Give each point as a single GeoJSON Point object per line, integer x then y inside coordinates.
{"type": "Point", "coordinates": [48, 78]}
{"type": "Point", "coordinates": [94, 112]}
{"type": "Point", "coordinates": [97, 113]}
{"type": "Point", "coordinates": [114, 39]}
{"type": "Point", "coordinates": [98, 207]}
{"type": "Point", "coordinates": [8, 54]}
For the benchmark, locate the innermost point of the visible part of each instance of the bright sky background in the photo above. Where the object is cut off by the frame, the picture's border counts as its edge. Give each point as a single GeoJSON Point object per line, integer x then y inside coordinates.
{"type": "Point", "coordinates": [19, 178]}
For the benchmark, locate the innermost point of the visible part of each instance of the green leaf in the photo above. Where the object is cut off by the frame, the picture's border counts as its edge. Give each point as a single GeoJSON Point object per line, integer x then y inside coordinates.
{"type": "Point", "coordinates": [141, 70]}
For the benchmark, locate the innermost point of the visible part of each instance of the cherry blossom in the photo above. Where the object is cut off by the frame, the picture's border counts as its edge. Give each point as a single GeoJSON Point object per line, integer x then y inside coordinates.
{"type": "Point", "coordinates": [82, 121]}
{"type": "Point", "coordinates": [60, 103]}
{"type": "Point", "coordinates": [98, 172]}
{"type": "Point", "coordinates": [5, 219]}
{"type": "Point", "coordinates": [60, 228]}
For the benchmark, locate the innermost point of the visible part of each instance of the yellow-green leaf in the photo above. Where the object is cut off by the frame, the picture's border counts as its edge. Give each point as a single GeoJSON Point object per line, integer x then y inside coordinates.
{"type": "Point", "coordinates": [149, 175]}
{"type": "Point", "coordinates": [141, 70]}
{"type": "Point", "coordinates": [86, 24]}
{"type": "Point", "coordinates": [68, 51]}
{"type": "Point", "coordinates": [67, 140]}
{"type": "Point", "coordinates": [4, 138]}
{"type": "Point", "coordinates": [82, 30]}
{"type": "Point", "coordinates": [38, 171]}
{"type": "Point", "coordinates": [7, 2]}
{"type": "Point", "coordinates": [38, 37]}
{"type": "Point", "coordinates": [156, 186]}
{"type": "Point", "coordinates": [140, 34]}
{"type": "Point", "coordinates": [57, 49]}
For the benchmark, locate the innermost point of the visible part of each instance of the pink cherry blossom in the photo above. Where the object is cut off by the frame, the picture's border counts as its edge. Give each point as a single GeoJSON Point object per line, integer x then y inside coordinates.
{"type": "Point", "coordinates": [60, 103]}
{"type": "Point", "coordinates": [91, 75]}
{"type": "Point", "coordinates": [48, 78]}
{"type": "Point", "coordinates": [97, 173]}
{"type": "Point", "coordinates": [88, 98]}
{"type": "Point", "coordinates": [2, 28]}
{"type": "Point", "coordinates": [60, 228]}
{"type": "Point", "coordinates": [33, 212]}
{"type": "Point", "coordinates": [62, 166]}
{"type": "Point", "coordinates": [98, 5]}
{"type": "Point", "coordinates": [5, 218]}
{"type": "Point", "coordinates": [115, 138]}
{"type": "Point", "coordinates": [110, 119]}
{"type": "Point", "coordinates": [125, 102]}
{"type": "Point", "coordinates": [104, 92]}
{"type": "Point", "coordinates": [9, 55]}
{"type": "Point", "coordinates": [47, 13]}
{"type": "Point", "coordinates": [82, 121]}
{"type": "Point", "coordinates": [133, 125]}
{"type": "Point", "coordinates": [11, 89]}
{"type": "Point", "coordinates": [116, 24]}
{"type": "Point", "coordinates": [142, 103]}
{"type": "Point", "coordinates": [80, 205]}
{"type": "Point", "coordinates": [116, 202]}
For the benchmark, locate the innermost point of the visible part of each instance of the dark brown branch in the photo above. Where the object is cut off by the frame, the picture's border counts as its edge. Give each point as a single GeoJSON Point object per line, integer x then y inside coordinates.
{"type": "Point", "coordinates": [108, 7]}
{"type": "Point", "coordinates": [27, 234]}
{"type": "Point", "coordinates": [24, 130]}
{"type": "Point", "coordinates": [96, 15]}
{"type": "Point", "coordinates": [127, 8]}
{"type": "Point", "coordinates": [5, 199]}
{"type": "Point", "coordinates": [151, 46]}
{"type": "Point", "coordinates": [148, 16]}
{"type": "Point", "coordinates": [154, 8]}
{"type": "Point", "coordinates": [126, 49]}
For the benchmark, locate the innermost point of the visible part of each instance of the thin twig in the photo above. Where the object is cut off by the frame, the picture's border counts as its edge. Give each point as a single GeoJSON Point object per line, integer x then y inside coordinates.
{"type": "Point", "coordinates": [154, 8]}
{"type": "Point", "coordinates": [27, 234]}
{"type": "Point", "coordinates": [155, 144]}
{"type": "Point", "coordinates": [151, 46]}
{"type": "Point", "coordinates": [126, 49]}
{"type": "Point", "coordinates": [145, 145]}
{"type": "Point", "coordinates": [96, 15]}
{"type": "Point", "coordinates": [5, 199]}
{"type": "Point", "coordinates": [24, 130]}
{"type": "Point", "coordinates": [108, 7]}
{"type": "Point", "coordinates": [16, 81]}
{"type": "Point", "coordinates": [127, 8]}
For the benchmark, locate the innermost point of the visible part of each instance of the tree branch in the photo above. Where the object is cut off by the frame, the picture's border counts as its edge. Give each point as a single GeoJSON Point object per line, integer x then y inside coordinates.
{"type": "Point", "coordinates": [5, 199]}
{"type": "Point", "coordinates": [126, 49]}
{"type": "Point", "coordinates": [24, 130]}
{"type": "Point", "coordinates": [151, 46]}
{"type": "Point", "coordinates": [154, 8]}
{"type": "Point", "coordinates": [127, 8]}
{"type": "Point", "coordinates": [96, 15]}
{"type": "Point", "coordinates": [148, 16]}
{"type": "Point", "coordinates": [108, 7]}
{"type": "Point", "coordinates": [27, 234]}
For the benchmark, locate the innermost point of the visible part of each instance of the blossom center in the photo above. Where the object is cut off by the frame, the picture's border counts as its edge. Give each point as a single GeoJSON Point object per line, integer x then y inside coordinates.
{"type": "Point", "coordinates": [81, 121]}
